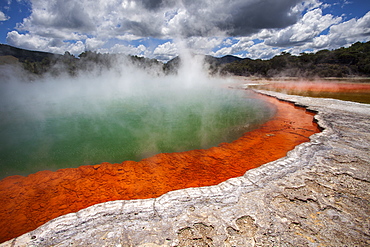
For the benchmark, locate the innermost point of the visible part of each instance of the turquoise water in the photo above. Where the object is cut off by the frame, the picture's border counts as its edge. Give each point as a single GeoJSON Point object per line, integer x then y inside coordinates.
{"type": "Point", "coordinates": [42, 130]}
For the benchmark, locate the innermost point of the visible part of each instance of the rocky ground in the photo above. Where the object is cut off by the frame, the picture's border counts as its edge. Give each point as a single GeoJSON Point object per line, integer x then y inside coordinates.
{"type": "Point", "coordinates": [318, 195]}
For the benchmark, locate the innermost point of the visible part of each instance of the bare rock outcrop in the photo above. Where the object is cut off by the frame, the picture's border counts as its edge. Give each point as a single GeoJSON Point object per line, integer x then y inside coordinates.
{"type": "Point", "coordinates": [318, 195]}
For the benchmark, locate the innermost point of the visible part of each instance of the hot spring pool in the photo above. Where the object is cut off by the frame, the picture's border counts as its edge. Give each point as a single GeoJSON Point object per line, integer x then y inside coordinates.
{"type": "Point", "coordinates": [61, 124]}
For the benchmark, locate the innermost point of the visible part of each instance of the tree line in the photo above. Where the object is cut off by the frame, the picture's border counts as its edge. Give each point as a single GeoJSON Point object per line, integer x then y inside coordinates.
{"type": "Point", "coordinates": [342, 62]}
{"type": "Point", "coordinates": [88, 61]}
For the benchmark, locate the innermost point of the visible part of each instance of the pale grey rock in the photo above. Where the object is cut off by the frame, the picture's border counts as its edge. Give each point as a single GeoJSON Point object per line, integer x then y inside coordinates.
{"type": "Point", "coordinates": [318, 195]}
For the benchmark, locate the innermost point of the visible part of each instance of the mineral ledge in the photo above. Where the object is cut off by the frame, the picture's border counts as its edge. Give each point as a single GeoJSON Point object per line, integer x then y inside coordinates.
{"type": "Point", "coordinates": [318, 195]}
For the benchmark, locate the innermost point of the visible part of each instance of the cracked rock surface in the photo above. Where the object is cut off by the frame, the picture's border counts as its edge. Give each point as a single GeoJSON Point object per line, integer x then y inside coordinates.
{"type": "Point", "coordinates": [318, 195]}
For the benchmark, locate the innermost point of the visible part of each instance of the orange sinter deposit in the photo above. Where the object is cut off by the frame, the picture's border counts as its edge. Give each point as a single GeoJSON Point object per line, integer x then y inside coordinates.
{"type": "Point", "coordinates": [319, 86]}
{"type": "Point", "coordinates": [28, 202]}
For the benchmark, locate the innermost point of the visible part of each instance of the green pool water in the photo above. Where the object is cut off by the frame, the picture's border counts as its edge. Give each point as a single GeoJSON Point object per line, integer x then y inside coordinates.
{"type": "Point", "coordinates": [42, 130]}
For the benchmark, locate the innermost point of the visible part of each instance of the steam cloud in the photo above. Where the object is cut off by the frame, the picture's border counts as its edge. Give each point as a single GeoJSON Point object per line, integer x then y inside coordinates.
{"type": "Point", "coordinates": [99, 115]}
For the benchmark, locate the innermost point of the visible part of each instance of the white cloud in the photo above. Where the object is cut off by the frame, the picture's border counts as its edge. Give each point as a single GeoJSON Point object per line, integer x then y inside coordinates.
{"type": "Point", "coordinates": [35, 42]}
{"type": "Point", "coordinates": [306, 5]}
{"type": "Point", "coordinates": [93, 44]}
{"type": "Point", "coordinates": [217, 27]}
{"type": "Point", "coordinates": [26, 40]}
{"type": "Point", "coordinates": [243, 44]}
{"type": "Point", "coordinates": [263, 34]}
{"type": "Point", "coordinates": [166, 51]}
{"type": "Point", "coordinates": [345, 33]}
{"type": "Point", "coordinates": [311, 25]}
{"type": "Point", "coordinates": [161, 18]}
{"type": "Point", "coordinates": [3, 17]}
{"type": "Point", "coordinates": [227, 42]}
{"type": "Point", "coordinates": [66, 15]}
{"type": "Point", "coordinates": [262, 51]}
{"type": "Point", "coordinates": [140, 50]}
{"type": "Point", "coordinates": [202, 45]}
{"type": "Point", "coordinates": [128, 37]}
{"type": "Point", "coordinates": [74, 48]}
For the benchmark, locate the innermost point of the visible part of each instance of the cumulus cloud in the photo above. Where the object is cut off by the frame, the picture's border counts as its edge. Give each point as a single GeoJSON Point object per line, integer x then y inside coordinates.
{"type": "Point", "coordinates": [26, 40]}
{"type": "Point", "coordinates": [139, 50]}
{"type": "Point", "coordinates": [311, 25]}
{"type": "Point", "coordinates": [3, 17]}
{"type": "Point", "coordinates": [161, 18]}
{"type": "Point", "coordinates": [344, 34]}
{"type": "Point", "coordinates": [306, 35]}
{"type": "Point", "coordinates": [205, 25]}
{"type": "Point", "coordinates": [93, 44]}
{"type": "Point", "coordinates": [128, 37]}
{"type": "Point", "coordinates": [166, 51]}
{"type": "Point", "coordinates": [35, 42]}
{"type": "Point", "coordinates": [243, 44]}
{"type": "Point", "coordinates": [262, 51]}
{"type": "Point", "coordinates": [234, 18]}
{"type": "Point", "coordinates": [66, 15]}
{"type": "Point", "coordinates": [202, 45]}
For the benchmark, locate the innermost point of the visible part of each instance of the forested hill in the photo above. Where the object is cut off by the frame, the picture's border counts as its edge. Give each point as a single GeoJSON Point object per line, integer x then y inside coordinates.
{"type": "Point", "coordinates": [40, 63]}
{"type": "Point", "coordinates": [26, 55]}
{"type": "Point", "coordinates": [342, 62]}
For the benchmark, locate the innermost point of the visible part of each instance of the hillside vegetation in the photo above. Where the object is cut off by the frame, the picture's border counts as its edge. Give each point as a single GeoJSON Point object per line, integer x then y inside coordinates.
{"type": "Point", "coordinates": [342, 62]}
{"type": "Point", "coordinates": [39, 63]}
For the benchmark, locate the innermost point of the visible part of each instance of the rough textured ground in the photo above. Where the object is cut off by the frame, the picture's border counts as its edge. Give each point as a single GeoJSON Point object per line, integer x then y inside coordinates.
{"type": "Point", "coordinates": [318, 195]}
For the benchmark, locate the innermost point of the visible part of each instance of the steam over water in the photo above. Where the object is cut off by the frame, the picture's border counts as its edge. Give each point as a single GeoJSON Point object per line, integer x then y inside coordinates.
{"type": "Point", "coordinates": [115, 116]}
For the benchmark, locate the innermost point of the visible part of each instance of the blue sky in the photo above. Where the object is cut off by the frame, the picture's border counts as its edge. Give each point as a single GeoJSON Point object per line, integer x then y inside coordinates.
{"type": "Point", "coordinates": [161, 28]}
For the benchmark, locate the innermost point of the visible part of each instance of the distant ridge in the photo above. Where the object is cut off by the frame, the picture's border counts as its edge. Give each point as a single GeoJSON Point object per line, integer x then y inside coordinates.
{"type": "Point", "coordinates": [174, 63]}
{"type": "Point", "coordinates": [23, 55]}
{"type": "Point", "coordinates": [222, 60]}
{"type": "Point", "coordinates": [343, 62]}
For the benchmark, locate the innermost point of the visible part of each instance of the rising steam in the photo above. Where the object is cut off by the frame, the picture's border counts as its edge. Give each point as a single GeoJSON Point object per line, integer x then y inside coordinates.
{"type": "Point", "coordinates": [117, 114]}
